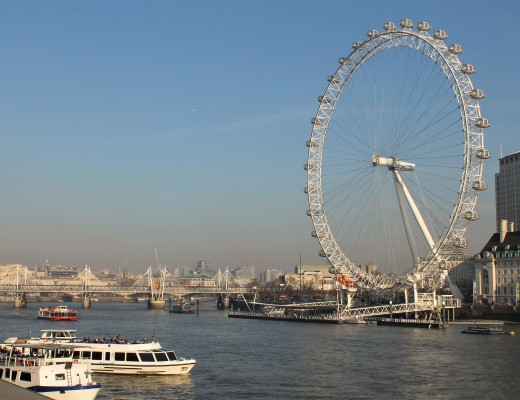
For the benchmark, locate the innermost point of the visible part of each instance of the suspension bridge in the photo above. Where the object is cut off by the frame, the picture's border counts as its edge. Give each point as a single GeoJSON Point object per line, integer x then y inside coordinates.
{"type": "Point", "coordinates": [157, 286]}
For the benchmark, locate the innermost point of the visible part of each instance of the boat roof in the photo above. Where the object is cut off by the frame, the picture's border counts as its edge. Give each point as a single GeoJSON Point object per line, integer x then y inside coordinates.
{"type": "Point", "coordinates": [59, 330]}
{"type": "Point", "coordinates": [45, 346]}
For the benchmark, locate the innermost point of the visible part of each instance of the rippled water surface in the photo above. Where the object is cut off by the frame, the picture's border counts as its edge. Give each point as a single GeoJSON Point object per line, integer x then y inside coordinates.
{"type": "Point", "coordinates": [254, 359]}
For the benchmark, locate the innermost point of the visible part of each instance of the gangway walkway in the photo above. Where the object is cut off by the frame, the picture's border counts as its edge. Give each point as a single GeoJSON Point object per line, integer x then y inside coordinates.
{"type": "Point", "coordinates": [427, 302]}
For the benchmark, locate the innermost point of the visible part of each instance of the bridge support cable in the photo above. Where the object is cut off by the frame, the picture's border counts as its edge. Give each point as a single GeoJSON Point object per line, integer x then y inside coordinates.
{"type": "Point", "coordinates": [20, 300]}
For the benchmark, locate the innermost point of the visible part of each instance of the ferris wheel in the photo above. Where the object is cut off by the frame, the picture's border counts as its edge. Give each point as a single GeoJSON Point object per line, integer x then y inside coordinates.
{"type": "Point", "coordinates": [395, 158]}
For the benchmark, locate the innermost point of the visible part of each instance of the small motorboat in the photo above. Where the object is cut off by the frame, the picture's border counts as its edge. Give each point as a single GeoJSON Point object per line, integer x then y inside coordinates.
{"type": "Point", "coordinates": [487, 330]}
{"type": "Point", "coordinates": [181, 308]}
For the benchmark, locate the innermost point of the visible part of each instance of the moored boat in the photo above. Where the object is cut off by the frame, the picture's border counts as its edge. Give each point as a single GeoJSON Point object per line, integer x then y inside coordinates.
{"type": "Point", "coordinates": [487, 330]}
{"type": "Point", "coordinates": [48, 370]}
{"type": "Point", "coordinates": [181, 308]}
{"type": "Point", "coordinates": [118, 355]}
{"type": "Point", "coordinates": [57, 313]}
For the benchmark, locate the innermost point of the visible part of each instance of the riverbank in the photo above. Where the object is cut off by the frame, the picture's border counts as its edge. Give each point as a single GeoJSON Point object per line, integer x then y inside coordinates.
{"type": "Point", "coordinates": [470, 312]}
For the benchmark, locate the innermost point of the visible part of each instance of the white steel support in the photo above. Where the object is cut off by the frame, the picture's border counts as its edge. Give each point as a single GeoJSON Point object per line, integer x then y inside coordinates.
{"type": "Point", "coordinates": [406, 222]}
{"type": "Point", "coordinates": [415, 297]}
{"type": "Point", "coordinates": [86, 283]}
{"type": "Point", "coordinates": [415, 211]}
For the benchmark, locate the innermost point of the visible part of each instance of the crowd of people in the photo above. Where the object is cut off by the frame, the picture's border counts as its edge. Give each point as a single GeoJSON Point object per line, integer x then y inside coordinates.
{"type": "Point", "coordinates": [115, 340]}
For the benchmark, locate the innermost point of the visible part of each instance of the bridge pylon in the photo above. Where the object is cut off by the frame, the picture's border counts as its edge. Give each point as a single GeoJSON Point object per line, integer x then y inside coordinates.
{"type": "Point", "coordinates": [156, 297]}
{"type": "Point", "coordinates": [86, 295]}
{"type": "Point", "coordinates": [20, 299]}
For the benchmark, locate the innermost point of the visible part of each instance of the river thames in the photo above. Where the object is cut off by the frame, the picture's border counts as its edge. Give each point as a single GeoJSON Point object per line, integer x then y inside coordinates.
{"type": "Point", "coordinates": [255, 359]}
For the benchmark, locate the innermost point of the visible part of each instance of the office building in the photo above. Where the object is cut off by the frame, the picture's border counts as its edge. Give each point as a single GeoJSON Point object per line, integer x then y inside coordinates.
{"type": "Point", "coordinates": [507, 190]}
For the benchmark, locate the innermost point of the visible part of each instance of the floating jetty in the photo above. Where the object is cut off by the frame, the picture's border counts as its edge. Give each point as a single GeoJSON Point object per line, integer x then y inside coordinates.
{"type": "Point", "coordinates": [411, 323]}
{"type": "Point", "coordinates": [321, 319]}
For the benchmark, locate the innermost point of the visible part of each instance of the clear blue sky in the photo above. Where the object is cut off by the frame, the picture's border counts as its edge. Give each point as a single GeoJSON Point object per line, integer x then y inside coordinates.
{"type": "Point", "coordinates": [181, 125]}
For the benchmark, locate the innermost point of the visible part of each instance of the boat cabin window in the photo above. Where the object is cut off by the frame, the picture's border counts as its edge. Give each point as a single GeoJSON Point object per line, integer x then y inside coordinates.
{"type": "Point", "coordinates": [60, 377]}
{"type": "Point", "coordinates": [146, 357]}
{"type": "Point", "coordinates": [76, 355]}
{"type": "Point", "coordinates": [14, 374]}
{"type": "Point", "coordinates": [25, 376]}
{"type": "Point", "coordinates": [119, 356]}
{"type": "Point", "coordinates": [86, 354]}
{"type": "Point", "coordinates": [1, 373]}
{"type": "Point", "coordinates": [171, 355]}
{"type": "Point", "coordinates": [62, 353]}
{"type": "Point", "coordinates": [132, 357]}
{"type": "Point", "coordinates": [97, 355]}
{"type": "Point", "coordinates": [161, 356]}
{"type": "Point", "coordinates": [107, 356]}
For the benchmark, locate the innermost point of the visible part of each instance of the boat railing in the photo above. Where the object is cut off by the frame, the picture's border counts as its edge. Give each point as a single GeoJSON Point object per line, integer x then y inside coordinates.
{"type": "Point", "coordinates": [115, 340]}
{"type": "Point", "coordinates": [21, 361]}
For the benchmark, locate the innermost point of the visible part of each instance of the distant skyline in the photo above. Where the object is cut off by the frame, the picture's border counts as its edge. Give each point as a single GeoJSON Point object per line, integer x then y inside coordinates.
{"type": "Point", "coordinates": [181, 126]}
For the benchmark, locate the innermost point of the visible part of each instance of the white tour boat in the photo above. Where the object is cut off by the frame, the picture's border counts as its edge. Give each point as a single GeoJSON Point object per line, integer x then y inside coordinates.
{"type": "Point", "coordinates": [117, 355]}
{"type": "Point", "coordinates": [48, 370]}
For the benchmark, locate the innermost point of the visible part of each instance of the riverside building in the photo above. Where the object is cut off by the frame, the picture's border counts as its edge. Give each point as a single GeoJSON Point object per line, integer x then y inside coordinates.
{"type": "Point", "coordinates": [507, 190]}
{"type": "Point", "coordinates": [497, 268]}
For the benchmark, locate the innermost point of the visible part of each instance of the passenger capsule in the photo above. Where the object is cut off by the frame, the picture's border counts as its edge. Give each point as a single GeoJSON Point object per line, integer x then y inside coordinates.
{"type": "Point", "coordinates": [372, 33]}
{"type": "Point", "coordinates": [471, 215]}
{"type": "Point", "coordinates": [309, 213]}
{"type": "Point", "coordinates": [455, 48]}
{"type": "Point", "coordinates": [424, 26]}
{"type": "Point", "coordinates": [440, 35]}
{"type": "Point", "coordinates": [324, 99]}
{"type": "Point", "coordinates": [477, 94]}
{"type": "Point", "coordinates": [317, 121]}
{"type": "Point", "coordinates": [322, 254]}
{"type": "Point", "coordinates": [479, 185]}
{"type": "Point", "coordinates": [460, 242]}
{"type": "Point", "coordinates": [314, 234]}
{"type": "Point", "coordinates": [308, 167]}
{"type": "Point", "coordinates": [333, 79]}
{"type": "Point", "coordinates": [311, 144]}
{"type": "Point", "coordinates": [389, 26]}
{"type": "Point", "coordinates": [406, 23]}
{"type": "Point", "coordinates": [483, 154]}
{"type": "Point", "coordinates": [344, 61]}
{"type": "Point", "coordinates": [357, 45]}
{"type": "Point", "coordinates": [467, 69]}
{"type": "Point", "coordinates": [483, 123]}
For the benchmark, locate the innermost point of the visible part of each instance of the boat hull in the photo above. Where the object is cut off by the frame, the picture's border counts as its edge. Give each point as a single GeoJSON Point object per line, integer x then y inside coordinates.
{"type": "Point", "coordinates": [88, 392]}
{"type": "Point", "coordinates": [180, 368]}
{"type": "Point", "coordinates": [484, 330]}
{"type": "Point", "coordinates": [59, 318]}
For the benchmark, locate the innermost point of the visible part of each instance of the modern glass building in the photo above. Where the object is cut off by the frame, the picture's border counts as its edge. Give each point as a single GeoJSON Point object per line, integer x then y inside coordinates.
{"type": "Point", "coordinates": [507, 190]}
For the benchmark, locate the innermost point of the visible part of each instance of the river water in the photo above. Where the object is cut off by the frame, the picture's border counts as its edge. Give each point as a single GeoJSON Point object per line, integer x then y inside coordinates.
{"type": "Point", "coordinates": [255, 359]}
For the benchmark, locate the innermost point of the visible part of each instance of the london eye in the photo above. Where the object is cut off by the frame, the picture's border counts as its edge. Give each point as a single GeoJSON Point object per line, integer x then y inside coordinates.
{"type": "Point", "coordinates": [395, 158]}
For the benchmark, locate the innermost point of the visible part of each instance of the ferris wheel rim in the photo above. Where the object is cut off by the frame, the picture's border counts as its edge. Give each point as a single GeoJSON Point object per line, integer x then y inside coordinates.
{"type": "Point", "coordinates": [445, 57]}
